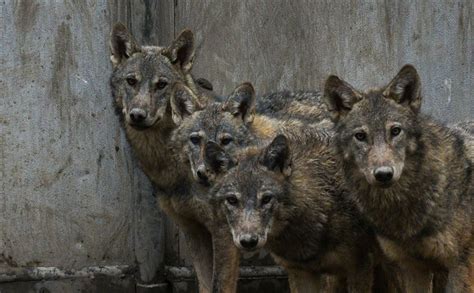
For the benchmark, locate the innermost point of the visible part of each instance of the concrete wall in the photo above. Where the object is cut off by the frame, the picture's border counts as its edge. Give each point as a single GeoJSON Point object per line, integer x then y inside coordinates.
{"type": "Point", "coordinates": [296, 44]}
{"type": "Point", "coordinates": [71, 193]}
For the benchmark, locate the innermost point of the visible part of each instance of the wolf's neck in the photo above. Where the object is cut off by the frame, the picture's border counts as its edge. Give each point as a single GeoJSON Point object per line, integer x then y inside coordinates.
{"type": "Point", "coordinates": [303, 227]}
{"type": "Point", "coordinates": [151, 146]}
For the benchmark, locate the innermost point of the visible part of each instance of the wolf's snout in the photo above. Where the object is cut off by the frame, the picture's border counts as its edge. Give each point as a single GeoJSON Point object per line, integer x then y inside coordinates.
{"type": "Point", "coordinates": [249, 241]}
{"type": "Point", "coordinates": [137, 115]}
{"type": "Point", "coordinates": [384, 174]}
{"type": "Point", "coordinates": [201, 173]}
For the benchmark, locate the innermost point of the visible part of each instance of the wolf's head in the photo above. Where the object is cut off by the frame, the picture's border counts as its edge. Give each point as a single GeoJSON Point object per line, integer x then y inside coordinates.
{"type": "Point", "coordinates": [377, 129]}
{"type": "Point", "coordinates": [224, 123]}
{"type": "Point", "coordinates": [143, 76]}
{"type": "Point", "coordinates": [249, 193]}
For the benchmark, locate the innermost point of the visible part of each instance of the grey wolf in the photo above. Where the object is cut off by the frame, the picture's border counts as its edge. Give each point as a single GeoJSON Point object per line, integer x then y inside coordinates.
{"type": "Point", "coordinates": [288, 198]}
{"type": "Point", "coordinates": [411, 177]}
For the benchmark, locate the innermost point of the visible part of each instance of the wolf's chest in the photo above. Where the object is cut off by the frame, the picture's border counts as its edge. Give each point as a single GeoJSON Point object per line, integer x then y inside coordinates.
{"type": "Point", "coordinates": [435, 250]}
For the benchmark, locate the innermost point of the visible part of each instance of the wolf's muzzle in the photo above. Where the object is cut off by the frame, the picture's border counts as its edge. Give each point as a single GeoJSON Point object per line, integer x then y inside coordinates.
{"type": "Point", "coordinates": [248, 241]}
{"type": "Point", "coordinates": [383, 174]}
{"type": "Point", "coordinates": [137, 115]}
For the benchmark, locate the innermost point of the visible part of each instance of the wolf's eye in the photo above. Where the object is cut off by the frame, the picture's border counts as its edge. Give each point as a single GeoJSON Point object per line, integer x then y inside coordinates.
{"type": "Point", "coordinates": [131, 80]}
{"type": "Point", "coordinates": [226, 140]}
{"type": "Point", "coordinates": [161, 84]}
{"type": "Point", "coordinates": [266, 199]}
{"type": "Point", "coordinates": [395, 131]}
{"type": "Point", "coordinates": [360, 136]}
{"type": "Point", "coordinates": [195, 139]}
{"type": "Point", "coordinates": [232, 200]}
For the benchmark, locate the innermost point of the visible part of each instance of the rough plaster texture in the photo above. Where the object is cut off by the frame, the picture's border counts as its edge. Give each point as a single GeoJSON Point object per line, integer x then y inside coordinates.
{"type": "Point", "coordinates": [296, 44]}
{"type": "Point", "coordinates": [71, 193]}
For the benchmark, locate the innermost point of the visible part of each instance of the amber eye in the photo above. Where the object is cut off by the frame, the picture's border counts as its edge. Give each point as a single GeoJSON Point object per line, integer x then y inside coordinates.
{"type": "Point", "coordinates": [161, 84]}
{"type": "Point", "coordinates": [360, 136]}
{"type": "Point", "coordinates": [232, 200]}
{"type": "Point", "coordinates": [266, 199]}
{"type": "Point", "coordinates": [131, 80]}
{"type": "Point", "coordinates": [226, 140]}
{"type": "Point", "coordinates": [395, 131]}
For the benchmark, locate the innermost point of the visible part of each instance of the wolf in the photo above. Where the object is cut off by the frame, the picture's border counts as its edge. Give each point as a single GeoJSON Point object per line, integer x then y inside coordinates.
{"type": "Point", "coordinates": [143, 81]}
{"type": "Point", "coordinates": [154, 90]}
{"type": "Point", "coordinates": [288, 198]}
{"type": "Point", "coordinates": [233, 123]}
{"type": "Point", "coordinates": [236, 122]}
{"type": "Point", "coordinates": [411, 177]}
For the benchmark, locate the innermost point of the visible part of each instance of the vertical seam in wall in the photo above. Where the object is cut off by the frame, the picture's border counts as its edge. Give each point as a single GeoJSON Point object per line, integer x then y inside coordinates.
{"type": "Point", "coordinates": [129, 15]}
{"type": "Point", "coordinates": [131, 173]}
{"type": "Point", "coordinates": [2, 162]}
{"type": "Point", "coordinates": [175, 8]}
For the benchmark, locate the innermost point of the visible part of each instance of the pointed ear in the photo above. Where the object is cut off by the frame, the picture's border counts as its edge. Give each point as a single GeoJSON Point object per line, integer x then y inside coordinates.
{"type": "Point", "coordinates": [241, 103]}
{"type": "Point", "coordinates": [122, 44]}
{"type": "Point", "coordinates": [339, 96]}
{"type": "Point", "coordinates": [405, 88]}
{"type": "Point", "coordinates": [183, 103]}
{"type": "Point", "coordinates": [217, 159]}
{"type": "Point", "coordinates": [181, 51]}
{"type": "Point", "coordinates": [276, 157]}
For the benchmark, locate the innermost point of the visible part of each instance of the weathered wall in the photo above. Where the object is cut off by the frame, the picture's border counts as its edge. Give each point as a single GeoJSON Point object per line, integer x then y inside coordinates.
{"type": "Point", "coordinates": [296, 44]}
{"type": "Point", "coordinates": [71, 193]}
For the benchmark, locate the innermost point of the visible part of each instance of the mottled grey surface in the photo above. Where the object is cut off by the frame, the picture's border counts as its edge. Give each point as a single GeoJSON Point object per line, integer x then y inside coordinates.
{"type": "Point", "coordinates": [71, 194]}
{"type": "Point", "coordinates": [296, 44]}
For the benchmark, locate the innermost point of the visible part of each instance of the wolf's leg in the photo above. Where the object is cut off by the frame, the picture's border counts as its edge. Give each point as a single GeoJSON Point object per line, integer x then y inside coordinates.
{"type": "Point", "coordinates": [303, 282]}
{"type": "Point", "coordinates": [361, 279]}
{"type": "Point", "coordinates": [416, 279]}
{"type": "Point", "coordinates": [461, 277]}
{"type": "Point", "coordinates": [440, 281]}
{"type": "Point", "coordinates": [226, 262]}
{"type": "Point", "coordinates": [199, 243]}
{"type": "Point", "coordinates": [333, 284]}
{"type": "Point", "coordinates": [387, 278]}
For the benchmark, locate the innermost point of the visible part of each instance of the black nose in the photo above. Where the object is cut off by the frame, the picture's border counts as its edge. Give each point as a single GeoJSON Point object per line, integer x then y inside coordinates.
{"type": "Point", "coordinates": [249, 241]}
{"type": "Point", "coordinates": [383, 174]}
{"type": "Point", "coordinates": [201, 175]}
{"type": "Point", "coordinates": [137, 115]}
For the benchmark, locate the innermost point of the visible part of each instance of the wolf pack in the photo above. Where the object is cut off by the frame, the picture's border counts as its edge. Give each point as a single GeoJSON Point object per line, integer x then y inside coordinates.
{"type": "Point", "coordinates": [348, 190]}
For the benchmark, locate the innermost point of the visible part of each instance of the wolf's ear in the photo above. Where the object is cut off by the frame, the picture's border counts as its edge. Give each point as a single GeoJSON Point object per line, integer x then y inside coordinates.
{"type": "Point", "coordinates": [241, 103]}
{"type": "Point", "coordinates": [339, 96]}
{"type": "Point", "coordinates": [216, 158]}
{"type": "Point", "coordinates": [276, 156]}
{"type": "Point", "coordinates": [181, 51]}
{"type": "Point", "coordinates": [122, 44]}
{"type": "Point", "coordinates": [183, 103]}
{"type": "Point", "coordinates": [405, 88]}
